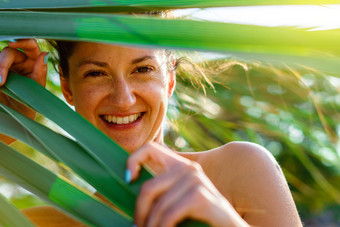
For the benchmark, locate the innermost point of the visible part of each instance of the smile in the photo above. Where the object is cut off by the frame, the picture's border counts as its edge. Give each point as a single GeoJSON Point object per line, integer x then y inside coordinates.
{"type": "Point", "coordinates": [122, 120]}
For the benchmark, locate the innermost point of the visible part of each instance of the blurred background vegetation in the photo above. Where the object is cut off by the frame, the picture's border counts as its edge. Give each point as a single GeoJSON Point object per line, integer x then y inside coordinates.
{"type": "Point", "coordinates": [294, 113]}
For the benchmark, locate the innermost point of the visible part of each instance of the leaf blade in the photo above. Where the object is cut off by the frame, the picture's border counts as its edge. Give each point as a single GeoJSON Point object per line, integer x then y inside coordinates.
{"type": "Point", "coordinates": [11, 216]}
{"type": "Point", "coordinates": [274, 44]}
{"type": "Point", "coordinates": [150, 4]}
{"type": "Point", "coordinates": [39, 180]}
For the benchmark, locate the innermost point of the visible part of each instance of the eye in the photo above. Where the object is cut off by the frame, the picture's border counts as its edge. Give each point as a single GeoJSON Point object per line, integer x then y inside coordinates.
{"type": "Point", "coordinates": [94, 73]}
{"type": "Point", "coordinates": [144, 69]}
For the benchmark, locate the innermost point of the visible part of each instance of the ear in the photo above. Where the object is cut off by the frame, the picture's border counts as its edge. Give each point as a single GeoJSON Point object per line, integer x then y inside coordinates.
{"type": "Point", "coordinates": [172, 83]}
{"type": "Point", "coordinates": [65, 87]}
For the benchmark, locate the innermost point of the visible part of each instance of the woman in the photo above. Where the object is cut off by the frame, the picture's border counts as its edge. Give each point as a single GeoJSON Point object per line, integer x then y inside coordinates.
{"type": "Point", "coordinates": [124, 92]}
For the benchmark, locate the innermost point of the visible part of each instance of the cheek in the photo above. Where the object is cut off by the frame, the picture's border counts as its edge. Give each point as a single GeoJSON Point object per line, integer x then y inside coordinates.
{"type": "Point", "coordinates": [155, 92]}
{"type": "Point", "coordinates": [160, 85]}
{"type": "Point", "coordinates": [85, 100]}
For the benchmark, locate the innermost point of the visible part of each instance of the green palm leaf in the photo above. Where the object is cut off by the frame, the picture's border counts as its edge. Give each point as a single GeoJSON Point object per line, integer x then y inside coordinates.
{"type": "Point", "coordinates": [317, 49]}
{"type": "Point", "coordinates": [14, 129]}
{"type": "Point", "coordinates": [120, 5]}
{"type": "Point", "coordinates": [10, 216]}
{"type": "Point", "coordinates": [50, 187]}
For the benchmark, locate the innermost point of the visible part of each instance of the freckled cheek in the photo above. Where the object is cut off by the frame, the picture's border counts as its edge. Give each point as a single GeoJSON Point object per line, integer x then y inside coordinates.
{"type": "Point", "coordinates": [156, 91]}
{"type": "Point", "coordinates": [86, 101]}
{"type": "Point", "coordinates": [156, 100]}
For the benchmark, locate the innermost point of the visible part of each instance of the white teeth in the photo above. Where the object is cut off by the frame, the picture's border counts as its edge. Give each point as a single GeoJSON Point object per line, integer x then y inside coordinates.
{"type": "Point", "coordinates": [122, 120]}
{"type": "Point", "coordinates": [125, 120]}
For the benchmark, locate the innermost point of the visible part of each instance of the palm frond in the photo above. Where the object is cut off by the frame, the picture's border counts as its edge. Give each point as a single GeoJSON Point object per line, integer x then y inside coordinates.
{"type": "Point", "coordinates": [317, 49]}
{"type": "Point", "coordinates": [52, 188]}
{"type": "Point", "coordinates": [10, 216]}
{"type": "Point", "coordinates": [121, 5]}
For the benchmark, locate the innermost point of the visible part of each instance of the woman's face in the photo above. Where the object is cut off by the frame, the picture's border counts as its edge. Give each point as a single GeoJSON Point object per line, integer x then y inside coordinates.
{"type": "Point", "coordinates": [123, 91]}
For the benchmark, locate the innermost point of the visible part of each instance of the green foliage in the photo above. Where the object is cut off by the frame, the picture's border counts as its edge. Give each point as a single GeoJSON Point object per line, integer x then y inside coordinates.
{"type": "Point", "coordinates": [293, 113]}
{"type": "Point", "coordinates": [47, 185]}
{"type": "Point", "coordinates": [121, 5]}
{"type": "Point", "coordinates": [293, 46]}
{"type": "Point", "coordinates": [10, 216]}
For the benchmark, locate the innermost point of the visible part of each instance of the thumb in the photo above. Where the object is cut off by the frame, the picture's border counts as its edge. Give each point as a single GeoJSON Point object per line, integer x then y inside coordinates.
{"type": "Point", "coordinates": [40, 69]}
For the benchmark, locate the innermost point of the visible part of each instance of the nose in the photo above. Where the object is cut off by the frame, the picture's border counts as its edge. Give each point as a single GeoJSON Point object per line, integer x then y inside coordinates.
{"type": "Point", "coordinates": [122, 95]}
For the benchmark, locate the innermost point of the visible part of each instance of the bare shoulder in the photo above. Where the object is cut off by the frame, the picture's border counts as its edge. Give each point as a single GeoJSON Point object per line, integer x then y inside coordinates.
{"type": "Point", "coordinates": [44, 216]}
{"type": "Point", "coordinates": [251, 179]}
{"type": "Point", "coordinates": [240, 151]}
{"type": "Point", "coordinates": [237, 159]}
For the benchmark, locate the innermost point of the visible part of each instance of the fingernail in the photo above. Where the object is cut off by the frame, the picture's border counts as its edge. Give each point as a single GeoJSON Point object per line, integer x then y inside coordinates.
{"type": "Point", "coordinates": [134, 225]}
{"type": "Point", "coordinates": [12, 40]}
{"type": "Point", "coordinates": [0, 79]}
{"type": "Point", "coordinates": [127, 176]}
{"type": "Point", "coordinates": [46, 58]}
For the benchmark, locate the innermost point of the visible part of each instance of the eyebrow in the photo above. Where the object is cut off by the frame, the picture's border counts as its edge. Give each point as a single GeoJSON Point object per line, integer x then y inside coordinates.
{"type": "Point", "coordinates": [98, 63]}
{"type": "Point", "coordinates": [137, 60]}
{"type": "Point", "coordinates": [105, 64]}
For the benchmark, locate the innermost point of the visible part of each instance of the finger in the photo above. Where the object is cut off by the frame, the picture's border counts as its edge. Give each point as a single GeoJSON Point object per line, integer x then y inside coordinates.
{"type": "Point", "coordinates": [150, 191]}
{"type": "Point", "coordinates": [40, 69]}
{"type": "Point", "coordinates": [154, 153]}
{"type": "Point", "coordinates": [8, 57]}
{"type": "Point", "coordinates": [29, 46]}
{"type": "Point", "coordinates": [200, 204]}
{"type": "Point", "coordinates": [176, 193]}
{"type": "Point", "coordinates": [191, 205]}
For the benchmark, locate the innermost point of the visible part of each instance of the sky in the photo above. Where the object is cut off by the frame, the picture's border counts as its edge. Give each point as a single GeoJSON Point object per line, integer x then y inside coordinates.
{"type": "Point", "coordinates": [307, 16]}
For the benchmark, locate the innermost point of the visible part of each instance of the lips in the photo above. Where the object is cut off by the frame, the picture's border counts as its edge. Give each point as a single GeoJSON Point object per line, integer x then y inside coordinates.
{"type": "Point", "coordinates": [121, 120]}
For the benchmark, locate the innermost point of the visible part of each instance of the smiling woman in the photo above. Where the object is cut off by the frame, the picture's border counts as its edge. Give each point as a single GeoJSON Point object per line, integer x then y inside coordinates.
{"type": "Point", "coordinates": [125, 89]}
{"type": "Point", "coordinates": [124, 92]}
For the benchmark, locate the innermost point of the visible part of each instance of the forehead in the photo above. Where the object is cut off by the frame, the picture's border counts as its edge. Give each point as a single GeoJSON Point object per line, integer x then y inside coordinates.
{"type": "Point", "coordinates": [99, 51]}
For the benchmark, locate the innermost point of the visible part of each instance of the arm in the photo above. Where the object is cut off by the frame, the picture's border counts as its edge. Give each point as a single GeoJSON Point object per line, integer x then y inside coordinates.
{"type": "Point", "coordinates": [29, 63]}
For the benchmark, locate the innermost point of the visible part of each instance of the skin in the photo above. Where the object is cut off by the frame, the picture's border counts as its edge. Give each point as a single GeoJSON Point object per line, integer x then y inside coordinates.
{"type": "Point", "coordinates": [238, 184]}
{"type": "Point", "coordinates": [119, 81]}
{"type": "Point", "coordinates": [29, 64]}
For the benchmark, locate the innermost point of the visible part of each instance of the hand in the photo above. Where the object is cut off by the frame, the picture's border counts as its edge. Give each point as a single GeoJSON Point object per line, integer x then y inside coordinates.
{"type": "Point", "coordinates": [29, 63]}
{"type": "Point", "coordinates": [180, 191]}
